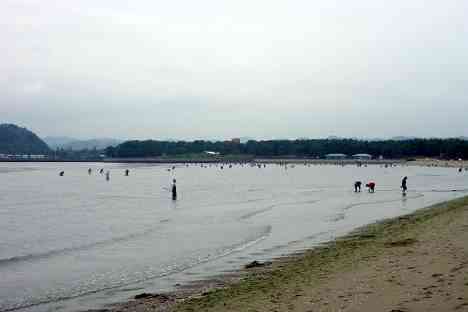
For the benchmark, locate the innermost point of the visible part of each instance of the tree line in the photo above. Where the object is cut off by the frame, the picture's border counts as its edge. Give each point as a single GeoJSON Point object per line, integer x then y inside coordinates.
{"type": "Point", "coordinates": [315, 148]}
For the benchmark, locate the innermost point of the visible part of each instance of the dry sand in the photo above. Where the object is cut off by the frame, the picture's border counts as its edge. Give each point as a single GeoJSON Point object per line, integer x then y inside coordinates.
{"type": "Point", "coordinates": [417, 262]}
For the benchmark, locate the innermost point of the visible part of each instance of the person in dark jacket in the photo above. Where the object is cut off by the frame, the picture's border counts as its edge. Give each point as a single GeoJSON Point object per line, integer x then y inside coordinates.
{"type": "Point", "coordinates": [357, 186]}
{"type": "Point", "coordinates": [174, 190]}
{"type": "Point", "coordinates": [404, 186]}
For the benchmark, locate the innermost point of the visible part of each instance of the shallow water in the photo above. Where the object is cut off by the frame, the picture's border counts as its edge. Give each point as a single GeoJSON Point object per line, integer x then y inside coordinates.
{"type": "Point", "coordinates": [79, 241]}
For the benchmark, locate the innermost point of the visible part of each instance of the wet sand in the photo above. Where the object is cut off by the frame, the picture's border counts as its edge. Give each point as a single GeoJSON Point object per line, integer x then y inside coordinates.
{"type": "Point", "coordinates": [417, 262]}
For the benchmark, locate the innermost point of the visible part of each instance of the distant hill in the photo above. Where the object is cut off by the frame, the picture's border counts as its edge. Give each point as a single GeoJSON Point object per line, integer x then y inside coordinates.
{"type": "Point", "coordinates": [58, 141]}
{"type": "Point", "coordinates": [68, 143]}
{"type": "Point", "coordinates": [17, 140]}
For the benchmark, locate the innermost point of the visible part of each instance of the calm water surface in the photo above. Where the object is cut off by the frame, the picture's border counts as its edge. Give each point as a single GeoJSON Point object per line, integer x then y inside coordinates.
{"type": "Point", "coordinates": [79, 241]}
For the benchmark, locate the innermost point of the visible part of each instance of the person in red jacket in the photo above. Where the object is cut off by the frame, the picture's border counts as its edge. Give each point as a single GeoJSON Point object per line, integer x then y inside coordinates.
{"type": "Point", "coordinates": [371, 186]}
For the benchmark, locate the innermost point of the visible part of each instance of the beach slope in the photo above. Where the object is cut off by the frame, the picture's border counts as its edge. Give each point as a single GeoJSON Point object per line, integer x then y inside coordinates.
{"type": "Point", "coordinates": [417, 262]}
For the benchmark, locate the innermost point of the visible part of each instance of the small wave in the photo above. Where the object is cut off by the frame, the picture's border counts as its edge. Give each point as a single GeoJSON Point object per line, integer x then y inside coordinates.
{"type": "Point", "coordinates": [338, 217]}
{"type": "Point", "coordinates": [342, 215]}
{"type": "Point", "coordinates": [449, 190]}
{"type": "Point", "coordinates": [316, 235]}
{"type": "Point", "coordinates": [418, 195]}
{"type": "Point", "coordinates": [311, 237]}
{"type": "Point", "coordinates": [263, 210]}
{"type": "Point", "coordinates": [220, 253]}
{"type": "Point", "coordinates": [68, 250]}
{"type": "Point", "coordinates": [274, 249]}
{"type": "Point", "coordinates": [254, 213]}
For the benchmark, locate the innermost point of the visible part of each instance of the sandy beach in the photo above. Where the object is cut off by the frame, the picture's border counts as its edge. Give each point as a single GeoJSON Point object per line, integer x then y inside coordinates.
{"type": "Point", "coordinates": [417, 262]}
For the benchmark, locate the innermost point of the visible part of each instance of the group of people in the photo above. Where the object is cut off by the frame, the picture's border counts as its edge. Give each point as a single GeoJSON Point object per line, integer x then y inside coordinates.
{"type": "Point", "coordinates": [127, 172]}
{"type": "Point", "coordinates": [101, 171]}
{"type": "Point", "coordinates": [371, 186]}
{"type": "Point", "coordinates": [357, 184]}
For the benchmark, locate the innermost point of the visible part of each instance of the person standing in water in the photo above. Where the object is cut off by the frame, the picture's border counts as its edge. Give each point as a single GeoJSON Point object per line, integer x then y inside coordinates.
{"type": "Point", "coordinates": [174, 190]}
{"type": "Point", "coordinates": [127, 172]}
{"type": "Point", "coordinates": [89, 171]}
{"type": "Point", "coordinates": [107, 175]}
{"type": "Point", "coordinates": [403, 185]}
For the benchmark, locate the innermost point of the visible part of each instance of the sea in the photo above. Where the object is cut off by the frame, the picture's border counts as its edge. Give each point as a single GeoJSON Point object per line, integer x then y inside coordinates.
{"type": "Point", "coordinates": [80, 241]}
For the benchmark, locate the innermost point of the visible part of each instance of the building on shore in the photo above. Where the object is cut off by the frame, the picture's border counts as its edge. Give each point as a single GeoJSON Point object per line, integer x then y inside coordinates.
{"type": "Point", "coordinates": [336, 156]}
{"type": "Point", "coordinates": [362, 156]}
{"type": "Point", "coordinates": [22, 157]}
{"type": "Point", "coordinates": [211, 153]}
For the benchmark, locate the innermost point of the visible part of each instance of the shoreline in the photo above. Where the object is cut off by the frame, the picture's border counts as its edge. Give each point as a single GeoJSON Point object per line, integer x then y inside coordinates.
{"type": "Point", "coordinates": [264, 286]}
{"type": "Point", "coordinates": [431, 162]}
{"type": "Point", "coordinates": [295, 161]}
{"type": "Point", "coordinates": [423, 162]}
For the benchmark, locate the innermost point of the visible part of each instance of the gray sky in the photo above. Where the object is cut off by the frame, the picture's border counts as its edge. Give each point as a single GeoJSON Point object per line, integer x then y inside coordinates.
{"type": "Point", "coordinates": [221, 69]}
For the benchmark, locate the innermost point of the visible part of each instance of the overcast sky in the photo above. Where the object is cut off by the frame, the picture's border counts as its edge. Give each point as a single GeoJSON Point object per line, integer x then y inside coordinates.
{"type": "Point", "coordinates": [221, 69]}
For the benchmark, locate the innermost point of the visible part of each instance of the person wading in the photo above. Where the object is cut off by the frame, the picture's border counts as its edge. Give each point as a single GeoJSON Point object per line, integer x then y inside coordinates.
{"type": "Point", "coordinates": [174, 190]}
{"type": "Point", "coordinates": [403, 185]}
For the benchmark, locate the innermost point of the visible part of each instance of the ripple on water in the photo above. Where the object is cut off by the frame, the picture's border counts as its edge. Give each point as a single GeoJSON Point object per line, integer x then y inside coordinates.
{"type": "Point", "coordinates": [92, 286]}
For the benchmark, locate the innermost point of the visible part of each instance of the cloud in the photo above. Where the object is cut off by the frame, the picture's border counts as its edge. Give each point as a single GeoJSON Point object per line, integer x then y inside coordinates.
{"type": "Point", "coordinates": [263, 68]}
{"type": "Point", "coordinates": [33, 88]}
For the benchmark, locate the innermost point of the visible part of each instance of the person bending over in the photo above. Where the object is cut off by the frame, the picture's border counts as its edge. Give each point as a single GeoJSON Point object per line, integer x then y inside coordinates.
{"type": "Point", "coordinates": [371, 186]}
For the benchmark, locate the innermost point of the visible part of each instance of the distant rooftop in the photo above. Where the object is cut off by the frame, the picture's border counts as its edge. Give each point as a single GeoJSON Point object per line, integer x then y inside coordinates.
{"type": "Point", "coordinates": [336, 155]}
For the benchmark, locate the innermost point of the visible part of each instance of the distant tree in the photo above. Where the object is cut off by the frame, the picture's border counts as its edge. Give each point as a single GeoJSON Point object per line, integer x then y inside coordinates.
{"type": "Point", "coordinates": [450, 148]}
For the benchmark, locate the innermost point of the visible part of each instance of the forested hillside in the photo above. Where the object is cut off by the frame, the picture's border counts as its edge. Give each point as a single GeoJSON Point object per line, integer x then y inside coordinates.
{"type": "Point", "coordinates": [17, 140]}
{"type": "Point", "coordinates": [444, 148]}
